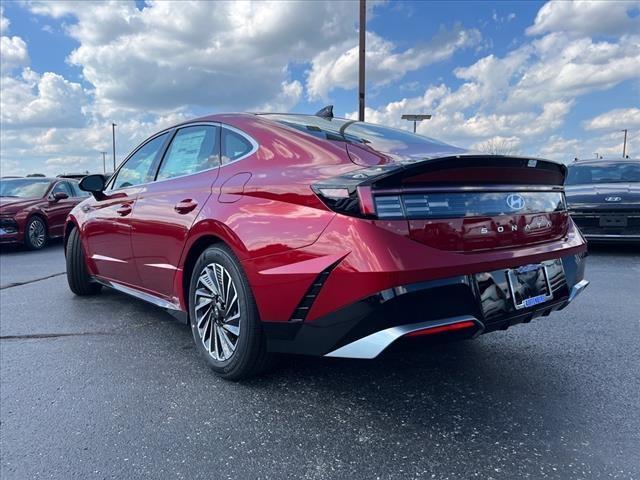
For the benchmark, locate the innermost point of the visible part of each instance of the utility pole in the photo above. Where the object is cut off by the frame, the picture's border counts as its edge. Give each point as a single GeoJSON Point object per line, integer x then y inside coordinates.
{"type": "Point", "coordinates": [624, 145]}
{"type": "Point", "coordinates": [361, 64]}
{"type": "Point", "coordinates": [104, 162]}
{"type": "Point", "coordinates": [113, 139]}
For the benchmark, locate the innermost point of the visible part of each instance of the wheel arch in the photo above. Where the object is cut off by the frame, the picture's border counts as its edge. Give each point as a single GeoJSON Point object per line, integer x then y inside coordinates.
{"type": "Point", "coordinates": [68, 227]}
{"type": "Point", "coordinates": [40, 215]}
{"type": "Point", "coordinates": [195, 250]}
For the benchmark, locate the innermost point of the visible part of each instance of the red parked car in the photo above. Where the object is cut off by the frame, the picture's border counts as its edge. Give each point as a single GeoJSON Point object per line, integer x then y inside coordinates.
{"type": "Point", "coordinates": [32, 210]}
{"type": "Point", "coordinates": [325, 236]}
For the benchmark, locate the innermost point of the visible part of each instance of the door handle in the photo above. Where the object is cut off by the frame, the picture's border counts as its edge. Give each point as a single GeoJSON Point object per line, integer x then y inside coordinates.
{"type": "Point", "coordinates": [124, 209]}
{"type": "Point", "coordinates": [185, 206]}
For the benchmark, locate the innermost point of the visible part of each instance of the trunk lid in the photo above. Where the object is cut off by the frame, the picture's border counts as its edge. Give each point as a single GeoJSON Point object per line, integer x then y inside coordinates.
{"type": "Point", "coordinates": [474, 202]}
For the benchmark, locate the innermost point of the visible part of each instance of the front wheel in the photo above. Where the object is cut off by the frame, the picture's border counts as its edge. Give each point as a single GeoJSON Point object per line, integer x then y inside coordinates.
{"type": "Point", "coordinates": [35, 234]}
{"type": "Point", "coordinates": [224, 317]}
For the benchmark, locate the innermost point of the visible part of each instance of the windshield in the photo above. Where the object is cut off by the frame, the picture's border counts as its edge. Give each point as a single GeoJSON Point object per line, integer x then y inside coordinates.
{"type": "Point", "coordinates": [24, 187]}
{"type": "Point", "coordinates": [383, 139]}
{"type": "Point", "coordinates": [605, 173]}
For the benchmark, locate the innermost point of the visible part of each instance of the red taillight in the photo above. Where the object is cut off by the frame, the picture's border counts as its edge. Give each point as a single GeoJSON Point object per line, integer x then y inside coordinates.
{"type": "Point", "coordinates": [365, 196]}
{"type": "Point", "coordinates": [441, 329]}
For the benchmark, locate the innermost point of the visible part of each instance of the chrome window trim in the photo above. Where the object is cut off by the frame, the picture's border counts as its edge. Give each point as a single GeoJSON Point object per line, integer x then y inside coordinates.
{"type": "Point", "coordinates": [254, 149]}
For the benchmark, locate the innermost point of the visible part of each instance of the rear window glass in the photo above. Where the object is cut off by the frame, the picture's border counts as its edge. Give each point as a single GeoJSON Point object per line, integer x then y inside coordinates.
{"type": "Point", "coordinates": [611, 173]}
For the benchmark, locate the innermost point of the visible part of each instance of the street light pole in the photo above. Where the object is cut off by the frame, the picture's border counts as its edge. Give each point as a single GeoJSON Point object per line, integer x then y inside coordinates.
{"type": "Point", "coordinates": [415, 119]}
{"type": "Point", "coordinates": [104, 162]}
{"type": "Point", "coordinates": [361, 63]}
{"type": "Point", "coordinates": [624, 145]}
{"type": "Point", "coordinates": [113, 140]}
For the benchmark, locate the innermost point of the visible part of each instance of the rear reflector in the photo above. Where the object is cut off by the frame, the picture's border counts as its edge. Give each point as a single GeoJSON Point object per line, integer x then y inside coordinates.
{"type": "Point", "coordinates": [441, 329]}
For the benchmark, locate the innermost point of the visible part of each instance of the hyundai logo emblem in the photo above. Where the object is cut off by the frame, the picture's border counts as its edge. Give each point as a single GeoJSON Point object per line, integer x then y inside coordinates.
{"type": "Point", "coordinates": [515, 201]}
{"type": "Point", "coordinates": [612, 199]}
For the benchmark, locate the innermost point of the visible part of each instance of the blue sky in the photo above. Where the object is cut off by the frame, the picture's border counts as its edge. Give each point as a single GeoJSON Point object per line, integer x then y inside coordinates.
{"type": "Point", "coordinates": [556, 79]}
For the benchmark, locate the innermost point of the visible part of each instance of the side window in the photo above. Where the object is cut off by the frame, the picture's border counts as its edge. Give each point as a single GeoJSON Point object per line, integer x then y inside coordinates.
{"type": "Point", "coordinates": [138, 168]}
{"type": "Point", "coordinates": [63, 187]}
{"type": "Point", "coordinates": [77, 192]}
{"type": "Point", "coordinates": [234, 146]}
{"type": "Point", "coordinates": [192, 150]}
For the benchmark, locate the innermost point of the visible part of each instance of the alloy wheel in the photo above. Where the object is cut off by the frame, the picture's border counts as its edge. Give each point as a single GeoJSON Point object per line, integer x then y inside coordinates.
{"type": "Point", "coordinates": [37, 233]}
{"type": "Point", "coordinates": [217, 311]}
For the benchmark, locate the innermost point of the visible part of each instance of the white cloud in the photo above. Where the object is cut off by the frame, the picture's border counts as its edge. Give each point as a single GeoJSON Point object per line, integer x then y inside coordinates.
{"type": "Point", "coordinates": [558, 148]}
{"type": "Point", "coordinates": [220, 55]}
{"type": "Point", "coordinates": [14, 54]}
{"type": "Point", "coordinates": [41, 101]}
{"type": "Point", "coordinates": [615, 119]}
{"type": "Point", "coordinates": [4, 21]}
{"type": "Point", "coordinates": [587, 17]}
{"type": "Point", "coordinates": [565, 67]}
{"type": "Point", "coordinates": [337, 67]}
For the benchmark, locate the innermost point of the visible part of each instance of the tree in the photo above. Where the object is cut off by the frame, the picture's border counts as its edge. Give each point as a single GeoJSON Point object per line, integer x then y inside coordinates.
{"type": "Point", "coordinates": [499, 146]}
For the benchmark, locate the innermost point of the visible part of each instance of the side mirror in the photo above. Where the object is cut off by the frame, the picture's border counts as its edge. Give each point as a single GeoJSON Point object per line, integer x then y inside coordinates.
{"type": "Point", "coordinates": [94, 184]}
{"type": "Point", "coordinates": [59, 196]}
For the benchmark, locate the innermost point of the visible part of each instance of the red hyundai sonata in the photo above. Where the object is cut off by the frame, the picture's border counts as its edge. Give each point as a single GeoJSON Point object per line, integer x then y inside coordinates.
{"type": "Point", "coordinates": [285, 233]}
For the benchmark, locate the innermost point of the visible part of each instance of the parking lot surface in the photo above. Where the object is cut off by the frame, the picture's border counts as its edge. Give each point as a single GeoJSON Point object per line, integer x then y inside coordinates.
{"type": "Point", "coordinates": [109, 387]}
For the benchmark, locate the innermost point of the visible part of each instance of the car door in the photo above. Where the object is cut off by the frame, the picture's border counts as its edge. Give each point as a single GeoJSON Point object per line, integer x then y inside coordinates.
{"type": "Point", "coordinates": [57, 210]}
{"type": "Point", "coordinates": [167, 208]}
{"type": "Point", "coordinates": [107, 228]}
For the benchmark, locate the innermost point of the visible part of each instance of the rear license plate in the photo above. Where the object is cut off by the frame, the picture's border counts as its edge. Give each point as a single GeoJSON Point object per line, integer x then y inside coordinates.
{"type": "Point", "coordinates": [529, 285]}
{"type": "Point", "coordinates": [613, 221]}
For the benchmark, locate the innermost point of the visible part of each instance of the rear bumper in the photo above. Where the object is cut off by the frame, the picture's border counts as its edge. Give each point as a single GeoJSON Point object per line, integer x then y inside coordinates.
{"type": "Point", "coordinates": [481, 301]}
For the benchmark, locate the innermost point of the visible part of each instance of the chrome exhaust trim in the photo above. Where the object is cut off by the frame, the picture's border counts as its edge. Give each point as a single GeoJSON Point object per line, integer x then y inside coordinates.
{"type": "Point", "coordinates": [374, 344]}
{"type": "Point", "coordinates": [577, 289]}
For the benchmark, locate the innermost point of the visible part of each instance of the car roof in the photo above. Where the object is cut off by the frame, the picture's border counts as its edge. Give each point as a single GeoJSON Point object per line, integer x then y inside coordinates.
{"type": "Point", "coordinates": [604, 162]}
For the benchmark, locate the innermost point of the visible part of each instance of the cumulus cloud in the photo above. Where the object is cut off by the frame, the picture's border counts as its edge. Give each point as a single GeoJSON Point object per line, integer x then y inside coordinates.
{"type": "Point", "coordinates": [220, 55]}
{"type": "Point", "coordinates": [4, 21]}
{"type": "Point", "coordinates": [337, 67]}
{"type": "Point", "coordinates": [14, 54]}
{"type": "Point", "coordinates": [587, 17]}
{"type": "Point", "coordinates": [46, 100]}
{"type": "Point", "coordinates": [615, 119]}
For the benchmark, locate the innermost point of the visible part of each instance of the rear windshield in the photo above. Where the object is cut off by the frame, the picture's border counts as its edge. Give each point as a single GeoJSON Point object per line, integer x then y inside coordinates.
{"type": "Point", "coordinates": [606, 173]}
{"type": "Point", "coordinates": [378, 137]}
{"type": "Point", "coordinates": [24, 187]}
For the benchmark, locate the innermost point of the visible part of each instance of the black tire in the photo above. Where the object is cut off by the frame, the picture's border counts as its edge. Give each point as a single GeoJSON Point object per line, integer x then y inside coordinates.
{"type": "Point", "coordinates": [78, 277]}
{"type": "Point", "coordinates": [250, 356]}
{"type": "Point", "coordinates": [35, 233]}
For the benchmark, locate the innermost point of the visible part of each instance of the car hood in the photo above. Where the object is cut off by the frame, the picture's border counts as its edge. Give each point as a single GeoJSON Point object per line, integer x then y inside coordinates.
{"type": "Point", "coordinates": [11, 205]}
{"type": "Point", "coordinates": [604, 194]}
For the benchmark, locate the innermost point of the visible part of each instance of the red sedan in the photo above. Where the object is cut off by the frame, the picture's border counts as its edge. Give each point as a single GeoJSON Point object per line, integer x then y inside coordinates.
{"type": "Point", "coordinates": [307, 234]}
{"type": "Point", "coordinates": [32, 210]}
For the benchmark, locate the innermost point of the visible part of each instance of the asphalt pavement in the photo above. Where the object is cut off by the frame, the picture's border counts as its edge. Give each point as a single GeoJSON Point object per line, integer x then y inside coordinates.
{"type": "Point", "coordinates": [110, 387]}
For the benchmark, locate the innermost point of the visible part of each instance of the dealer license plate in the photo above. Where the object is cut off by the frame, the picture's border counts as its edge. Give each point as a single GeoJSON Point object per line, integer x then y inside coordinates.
{"type": "Point", "coordinates": [529, 285]}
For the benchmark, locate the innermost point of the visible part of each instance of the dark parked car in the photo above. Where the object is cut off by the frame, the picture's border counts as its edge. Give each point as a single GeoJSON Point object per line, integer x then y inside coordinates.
{"type": "Point", "coordinates": [325, 236]}
{"type": "Point", "coordinates": [604, 199]}
{"type": "Point", "coordinates": [35, 209]}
